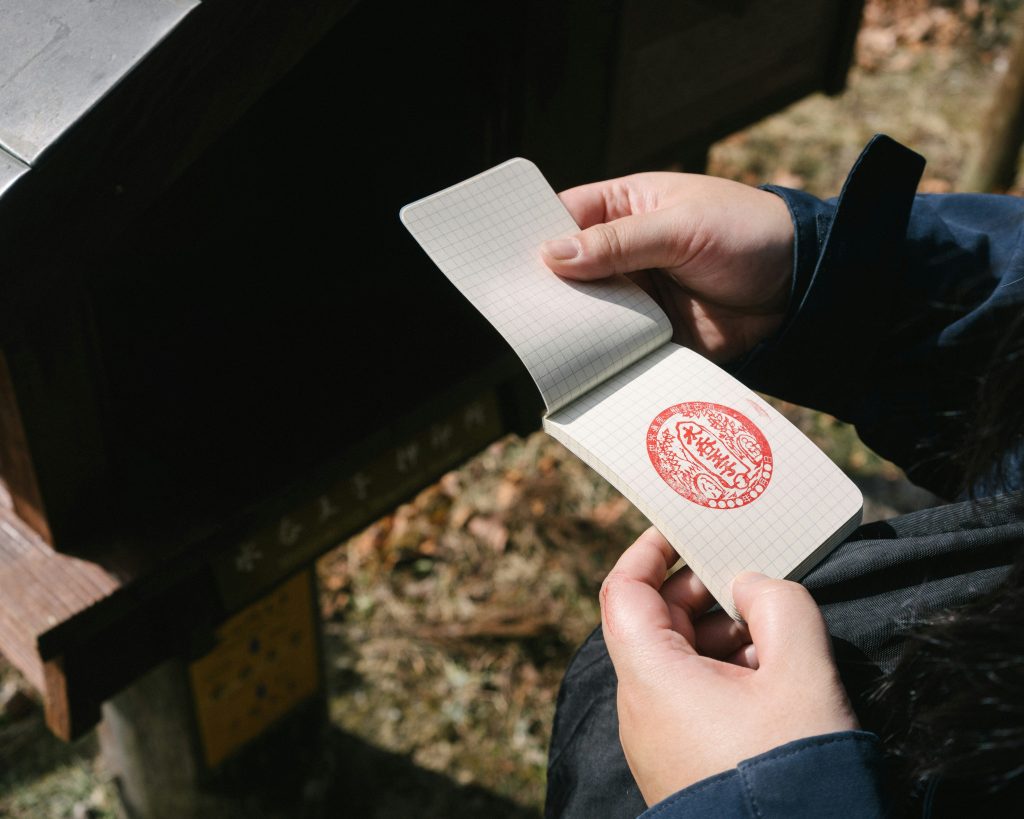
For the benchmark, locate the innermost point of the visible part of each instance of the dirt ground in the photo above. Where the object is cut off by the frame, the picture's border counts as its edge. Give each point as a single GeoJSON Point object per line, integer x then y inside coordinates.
{"type": "Point", "coordinates": [449, 623]}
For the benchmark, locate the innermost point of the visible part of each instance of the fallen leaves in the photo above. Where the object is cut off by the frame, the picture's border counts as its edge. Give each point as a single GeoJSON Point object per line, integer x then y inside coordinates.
{"type": "Point", "coordinates": [489, 530]}
{"type": "Point", "coordinates": [462, 608]}
{"type": "Point", "coordinates": [893, 32]}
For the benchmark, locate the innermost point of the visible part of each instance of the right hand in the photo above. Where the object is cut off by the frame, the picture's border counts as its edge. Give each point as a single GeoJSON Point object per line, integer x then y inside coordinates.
{"type": "Point", "coordinates": [716, 255]}
{"type": "Point", "coordinates": [699, 693]}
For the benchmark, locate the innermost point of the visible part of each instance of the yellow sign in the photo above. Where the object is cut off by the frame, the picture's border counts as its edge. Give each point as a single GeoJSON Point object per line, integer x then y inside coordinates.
{"type": "Point", "coordinates": [265, 663]}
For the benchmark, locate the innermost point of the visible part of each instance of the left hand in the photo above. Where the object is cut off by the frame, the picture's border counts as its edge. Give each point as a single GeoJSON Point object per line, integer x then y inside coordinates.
{"type": "Point", "coordinates": [699, 694]}
{"type": "Point", "coordinates": [716, 255]}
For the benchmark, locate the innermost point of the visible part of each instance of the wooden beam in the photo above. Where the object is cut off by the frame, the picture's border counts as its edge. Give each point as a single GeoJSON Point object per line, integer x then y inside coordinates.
{"type": "Point", "coordinates": [55, 700]}
{"type": "Point", "coordinates": [16, 467]}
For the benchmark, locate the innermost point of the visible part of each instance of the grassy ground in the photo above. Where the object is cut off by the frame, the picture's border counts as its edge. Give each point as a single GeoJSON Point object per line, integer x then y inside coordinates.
{"type": "Point", "coordinates": [449, 623]}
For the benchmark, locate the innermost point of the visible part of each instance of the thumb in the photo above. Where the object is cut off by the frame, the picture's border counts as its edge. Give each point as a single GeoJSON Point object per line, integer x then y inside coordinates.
{"type": "Point", "coordinates": [635, 242]}
{"type": "Point", "coordinates": [634, 615]}
{"type": "Point", "coordinates": [785, 624]}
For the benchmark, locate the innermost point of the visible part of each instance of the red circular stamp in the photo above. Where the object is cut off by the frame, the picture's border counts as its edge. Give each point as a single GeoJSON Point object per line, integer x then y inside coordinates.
{"type": "Point", "coordinates": [710, 454]}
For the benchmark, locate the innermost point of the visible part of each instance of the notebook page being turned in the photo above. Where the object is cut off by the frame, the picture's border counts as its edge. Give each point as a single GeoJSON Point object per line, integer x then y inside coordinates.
{"type": "Point", "coordinates": [484, 234]}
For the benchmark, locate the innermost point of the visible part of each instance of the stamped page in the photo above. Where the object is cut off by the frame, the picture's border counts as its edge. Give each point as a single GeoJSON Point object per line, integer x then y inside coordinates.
{"type": "Point", "coordinates": [729, 481]}
{"type": "Point", "coordinates": [484, 234]}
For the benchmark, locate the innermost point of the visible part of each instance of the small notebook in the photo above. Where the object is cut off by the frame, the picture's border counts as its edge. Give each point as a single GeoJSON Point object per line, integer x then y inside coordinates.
{"type": "Point", "coordinates": [730, 483]}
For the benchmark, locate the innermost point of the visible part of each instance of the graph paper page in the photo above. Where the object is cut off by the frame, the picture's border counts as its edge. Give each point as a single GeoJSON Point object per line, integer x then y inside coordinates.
{"type": "Point", "coordinates": [728, 480]}
{"type": "Point", "coordinates": [484, 234]}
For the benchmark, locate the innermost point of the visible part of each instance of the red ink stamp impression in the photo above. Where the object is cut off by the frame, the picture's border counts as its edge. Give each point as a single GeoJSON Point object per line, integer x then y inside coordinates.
{"type": "Point", "coordinates": [712, 455]}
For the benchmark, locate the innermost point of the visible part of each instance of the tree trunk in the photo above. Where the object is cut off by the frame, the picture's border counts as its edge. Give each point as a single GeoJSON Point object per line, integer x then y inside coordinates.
{"type": "Point", "coordinates": [993, 165]}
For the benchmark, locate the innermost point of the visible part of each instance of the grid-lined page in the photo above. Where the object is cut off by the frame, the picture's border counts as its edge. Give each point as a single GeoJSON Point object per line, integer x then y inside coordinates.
{"type": "Point", "coordinates": [723, 436]}
{"type": "Point", "coordinates": [484, 235]}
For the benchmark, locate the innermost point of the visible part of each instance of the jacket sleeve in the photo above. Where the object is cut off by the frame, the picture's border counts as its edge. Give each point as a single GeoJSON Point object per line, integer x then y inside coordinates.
{"type": "Point", "coordinates": [898, 305]}
{"type": "Point", "coordinates": [837, 774]}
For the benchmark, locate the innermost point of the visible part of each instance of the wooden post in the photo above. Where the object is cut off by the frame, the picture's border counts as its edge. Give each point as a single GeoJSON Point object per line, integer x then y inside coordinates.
{"type": "Point", "coordinates": [236, 726]}
{"type": "Point", "coordinates": [147, 742]}
{"type": "Point", "coordinates": [993, 164]}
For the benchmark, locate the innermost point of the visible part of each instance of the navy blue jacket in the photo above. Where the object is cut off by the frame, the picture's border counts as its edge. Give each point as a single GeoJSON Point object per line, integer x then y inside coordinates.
{"type": "Point", "coordinates": [831, 775]}
{"type": "Point", "coordinates": [898, 304]}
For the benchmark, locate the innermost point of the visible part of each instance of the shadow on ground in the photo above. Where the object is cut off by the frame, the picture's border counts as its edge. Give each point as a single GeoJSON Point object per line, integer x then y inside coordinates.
{"type": "Point", "coordinates": [309, 770]}
{"type": "Point", "coordinates": [305, 770]}
{"type": "Point", "coordinates": [371, 782]}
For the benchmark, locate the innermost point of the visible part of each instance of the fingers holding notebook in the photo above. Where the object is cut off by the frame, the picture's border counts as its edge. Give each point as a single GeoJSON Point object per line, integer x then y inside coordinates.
{"type": "Point", "coordinates": [722, 252]}
{"type": "Point", "coordinates": [684, 714]}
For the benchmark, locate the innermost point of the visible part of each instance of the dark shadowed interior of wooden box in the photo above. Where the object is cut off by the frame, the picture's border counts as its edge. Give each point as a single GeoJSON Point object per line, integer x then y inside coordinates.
{"type": "Point", "coordinates": [270, 310]}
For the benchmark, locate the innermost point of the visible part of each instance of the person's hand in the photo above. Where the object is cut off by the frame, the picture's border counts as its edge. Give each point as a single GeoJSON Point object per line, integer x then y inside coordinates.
{"type": "Point", "coordinates": [699, 694]}
{"type": "Point", "coordinates": [716, 255]}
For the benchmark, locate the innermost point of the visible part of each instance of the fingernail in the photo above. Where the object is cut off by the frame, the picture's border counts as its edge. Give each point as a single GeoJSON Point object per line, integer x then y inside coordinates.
{"type": "Point", "coordinates": [562, 250]}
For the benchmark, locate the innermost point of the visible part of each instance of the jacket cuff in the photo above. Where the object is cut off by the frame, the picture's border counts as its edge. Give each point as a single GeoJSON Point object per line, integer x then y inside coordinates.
{"type": "Point", "coordinates": [818, 776]}
{"type": "Point", "coordinates": [843, 254]}
{"type": "Point", "coordinates": [812, 218]}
